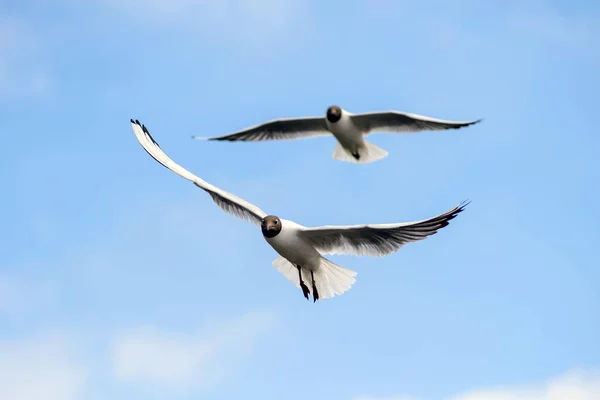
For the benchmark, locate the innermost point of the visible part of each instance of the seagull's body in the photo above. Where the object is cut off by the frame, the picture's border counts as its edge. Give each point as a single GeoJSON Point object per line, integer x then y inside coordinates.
{"type": "Point", "coordinates": [291, 245]}
{"type": "Point", "coordinates": [302, 248]}
{"type": "Point", "coordinates": [349, 129]}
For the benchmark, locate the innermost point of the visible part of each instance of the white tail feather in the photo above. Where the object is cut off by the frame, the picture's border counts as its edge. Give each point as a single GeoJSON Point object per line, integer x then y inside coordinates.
{"type": "Point", "coordinates": [287, 269]}
{"type": "Point", "coordinates": [367, 154]}
{"type": "Point", "coordinates": [330, 278]}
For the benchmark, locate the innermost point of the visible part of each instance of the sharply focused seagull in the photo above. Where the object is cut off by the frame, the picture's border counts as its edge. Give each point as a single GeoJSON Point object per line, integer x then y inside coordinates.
{"type": "Point", "coordinates": [349, 129]}
{"type": "Point", "coordinates": [301, 248]}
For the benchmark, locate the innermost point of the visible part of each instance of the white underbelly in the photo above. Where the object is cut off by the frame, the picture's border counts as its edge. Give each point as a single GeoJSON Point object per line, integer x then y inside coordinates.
{"type": "Point", "coordinates": [348, 136]}
{"type": "Point", "coordinates": [295, 250]}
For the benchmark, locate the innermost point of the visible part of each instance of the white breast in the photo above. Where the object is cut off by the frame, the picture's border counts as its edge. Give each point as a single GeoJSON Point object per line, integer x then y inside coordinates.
{"type": "Point", "coordinates": [346, 132]}
{"type": "Point", "coordinates": [291, 246]}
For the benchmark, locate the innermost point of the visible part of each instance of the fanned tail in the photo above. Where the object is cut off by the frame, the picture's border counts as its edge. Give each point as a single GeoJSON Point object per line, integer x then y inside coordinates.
{"type": "Point", "coordinates": [367, 154]}
{"type": "Point", "coordinates": [330, 278]}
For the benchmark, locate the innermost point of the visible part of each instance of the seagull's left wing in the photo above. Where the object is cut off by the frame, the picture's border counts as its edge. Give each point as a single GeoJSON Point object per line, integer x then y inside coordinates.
{"type": "Point", "coordinates": [400, 122]}
{"type": "Point", "coordinates": [278, 129]}
{"type": "Point", "coordinates": [227, 201]}
{"type": "Point", "coordinates": [375, 240]}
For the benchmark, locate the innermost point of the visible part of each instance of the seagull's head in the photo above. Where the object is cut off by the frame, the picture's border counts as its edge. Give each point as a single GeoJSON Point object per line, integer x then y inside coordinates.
{"type": "Point", "coordinates": [270, 226]}
{"type": "Point", "coordinates": [334, 114]}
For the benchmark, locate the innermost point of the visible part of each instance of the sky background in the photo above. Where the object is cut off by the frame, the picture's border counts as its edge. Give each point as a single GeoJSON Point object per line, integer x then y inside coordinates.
{"type": "Point", "coordinates": [120, 280]}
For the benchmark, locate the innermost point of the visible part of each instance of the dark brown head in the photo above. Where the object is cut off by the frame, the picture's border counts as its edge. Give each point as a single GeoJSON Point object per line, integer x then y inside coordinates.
{"type": "Point", "coordinates": [270, 226]}
{"type": "Point", "coordinates": [334, 114]}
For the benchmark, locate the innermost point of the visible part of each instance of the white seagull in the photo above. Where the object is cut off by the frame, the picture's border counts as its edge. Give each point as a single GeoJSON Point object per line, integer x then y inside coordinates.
{"type": "Point", "coordinates": [301, 248]}
{"type": "Point", "coordinates": [349, 130]}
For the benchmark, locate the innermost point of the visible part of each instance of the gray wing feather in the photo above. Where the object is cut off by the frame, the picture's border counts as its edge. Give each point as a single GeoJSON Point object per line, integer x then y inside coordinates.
{"type": "Point", "coordinates": [230, 203]}
{"type": "Point", "coordinates": [279, 129]}
{"type": "Point", "coordinates": [376, 240]}
{"type": "Point", "coordinates": [400, 122]}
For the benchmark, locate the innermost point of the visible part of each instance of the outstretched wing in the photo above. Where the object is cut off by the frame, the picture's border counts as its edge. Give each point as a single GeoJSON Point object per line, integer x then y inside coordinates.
{"type": "Point", "coordinates": [400, 122]}
{"type": "Point", "coordinates": [378, 239]}
{"type": "Point", "coordinates": [227, 201]}
{"type": "Point", "coordinates": [279, 129]}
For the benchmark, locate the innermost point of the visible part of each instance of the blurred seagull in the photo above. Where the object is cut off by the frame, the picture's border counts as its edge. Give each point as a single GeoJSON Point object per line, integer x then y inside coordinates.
{"type": "Point", "coordinates": [349, 130]}
{"type": "Point", "coordinates": [301, 248]}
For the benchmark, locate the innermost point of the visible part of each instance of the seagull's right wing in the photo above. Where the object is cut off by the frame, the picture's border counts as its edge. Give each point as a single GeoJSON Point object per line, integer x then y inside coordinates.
{"type": "Point", "coordinates": [279, 129]}
{"type": "Point", "coordinates": [402, 122]}
{"type": "Point", "coordinates": [377, 239]}
{"type": "Point", "coordinates": [227, 201]}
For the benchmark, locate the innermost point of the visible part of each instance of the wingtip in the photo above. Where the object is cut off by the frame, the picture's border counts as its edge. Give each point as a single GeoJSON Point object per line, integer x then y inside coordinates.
{"type": "Point", "coordinates": [461, 206]}
{"type": "Point", "coordinates": [200, 138]}
{"type": "Point", "coordinates": [144, 130]}
{"type": "Point", "coordinates": [470, 123]}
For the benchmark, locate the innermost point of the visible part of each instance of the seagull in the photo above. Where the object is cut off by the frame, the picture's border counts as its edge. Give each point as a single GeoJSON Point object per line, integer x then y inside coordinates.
{"type": "Point", "coordinates": [301, 248]}
{"type": "Point", "coordinates": [349, 130]}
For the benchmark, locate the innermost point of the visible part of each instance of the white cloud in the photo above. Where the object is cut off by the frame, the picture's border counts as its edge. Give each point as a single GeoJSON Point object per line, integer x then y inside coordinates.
{"type": "Point", "coordinates": [178, 361]}
{"type": "Point", "coordinates": [575, 385]}
{"type": "Point", "coordinates": [39, 369]}
{"type": "Point", "coordinates": [21, 72]}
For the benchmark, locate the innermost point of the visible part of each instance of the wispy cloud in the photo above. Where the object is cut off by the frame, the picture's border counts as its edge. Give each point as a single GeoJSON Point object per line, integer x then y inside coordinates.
{"type": "Point", "coordinates": [21, 71]}
{"type": "Point", "coordinates": [39, 368]}
{"type": "Point", "coordinates": [180, 361]}
{"type": "Point", "coordinates": [574, 385]}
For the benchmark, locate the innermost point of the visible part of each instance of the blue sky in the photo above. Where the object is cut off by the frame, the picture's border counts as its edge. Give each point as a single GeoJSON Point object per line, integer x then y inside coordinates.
{"type": "Point", "coordinates": [120, 280]}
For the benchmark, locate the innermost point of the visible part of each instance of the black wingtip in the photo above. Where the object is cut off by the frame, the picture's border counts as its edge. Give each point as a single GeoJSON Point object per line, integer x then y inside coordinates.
{"type": "Point", "coordinates": [464, 124]}
{"type": "Point", "coordinates": [145, 130]}
{"type": "Point", "coordinates": [461, 206]}
{"type": "Point", "coordinates": [450, 215]}
{"type": "Point", "coordinates": [457, 210]}
{"type": "Point", "coordinates": [149, 135]}
{"type": "Point", "coordinates": [471, 123]}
